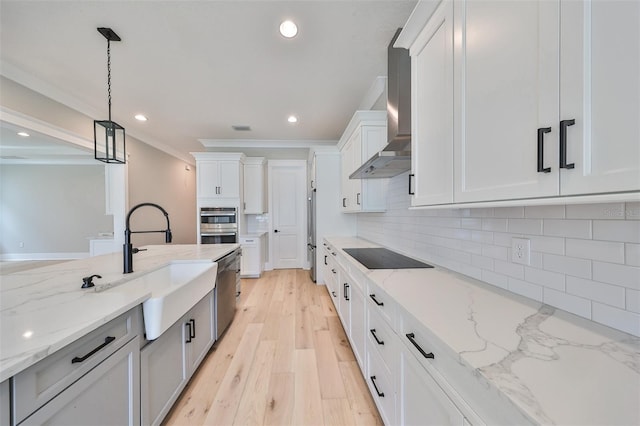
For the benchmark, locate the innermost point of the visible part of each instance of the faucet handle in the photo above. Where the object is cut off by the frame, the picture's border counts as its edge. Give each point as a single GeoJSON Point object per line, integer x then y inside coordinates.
{"type": "Point", "coordinates": [87, 282]}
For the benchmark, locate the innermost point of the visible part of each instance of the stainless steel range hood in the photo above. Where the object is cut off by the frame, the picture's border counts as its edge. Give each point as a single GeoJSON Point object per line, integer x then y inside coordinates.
{"type": "Point", "coordinates": [395, 158]}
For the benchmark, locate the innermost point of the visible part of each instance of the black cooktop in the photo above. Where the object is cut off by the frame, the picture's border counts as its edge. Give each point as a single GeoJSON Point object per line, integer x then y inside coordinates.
{"type": "Point", "coordinates": [381, 258]}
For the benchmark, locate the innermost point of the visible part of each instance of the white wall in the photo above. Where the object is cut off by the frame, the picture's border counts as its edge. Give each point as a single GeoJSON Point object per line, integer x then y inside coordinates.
{"type": "Point", "coordinates": [585, 258]}
{"type": "Point", "coordinates": [51, 209]}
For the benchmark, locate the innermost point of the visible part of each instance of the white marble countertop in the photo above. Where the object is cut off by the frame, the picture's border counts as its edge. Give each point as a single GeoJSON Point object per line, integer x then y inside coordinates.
{"type": "Point", "coordinates": [554, 367]}
{"type": "Point", "coordinates": [44, 309]}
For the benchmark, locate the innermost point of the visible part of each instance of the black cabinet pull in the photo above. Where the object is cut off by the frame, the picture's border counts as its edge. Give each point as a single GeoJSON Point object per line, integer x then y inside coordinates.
{"type": "Point", "coordinates": [378, 341]}
{"type": "Point", "coordinates": [411, 190]}
{"type": "Point", "coordinates": [193, 328]}
{"type": "Point", "coordinates": [188, 324]}
{"type": "Point", "coordinates": [333, 253]}
{"type": "Point", "coordinates": [334, 294]}
{"type": "Point", "coordinates": [333, 270]}
{"type": "Point", "coordinates": [411, 338]}
{"type": "Point", "coordinates": [276, 231]}
{"type": "Point", "coordinates": [373, 297]}
{"type": "Point", "coordinates": [563, 144]}
{"type": "Point", "coordinates": [107, 340]}
{"type": "Point", "coordinates": [541, 167]}
{"type": "Point", "coordinates": [346, 291]}
{"type": "Point", "coordinates": [373, 380]}
{"type": "Point", "coordinates": [325, 259]}
{"type": "Point", "coordinates": [344, 202]}
{"type": "Point", "coordinates": [358, 198]}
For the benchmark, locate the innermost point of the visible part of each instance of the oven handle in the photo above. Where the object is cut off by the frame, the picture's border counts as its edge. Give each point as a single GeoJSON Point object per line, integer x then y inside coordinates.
{"type": "Point", "coordinates": [226, 234]}
{"type": "Point", "coordinates": [217, 214]}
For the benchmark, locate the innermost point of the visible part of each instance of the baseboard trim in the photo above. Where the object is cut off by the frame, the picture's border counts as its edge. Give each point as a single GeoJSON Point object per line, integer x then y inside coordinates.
{"type": "Point", "coordinates": [43, 256]}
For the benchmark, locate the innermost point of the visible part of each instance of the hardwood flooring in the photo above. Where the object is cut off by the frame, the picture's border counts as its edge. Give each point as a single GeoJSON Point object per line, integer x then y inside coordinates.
{"type": "Point", "coordinates": [285, 360]}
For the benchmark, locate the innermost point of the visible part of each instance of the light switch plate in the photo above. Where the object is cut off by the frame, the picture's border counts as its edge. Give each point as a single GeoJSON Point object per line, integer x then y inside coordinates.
{"type": "Point", "coordinates": [521, 251]}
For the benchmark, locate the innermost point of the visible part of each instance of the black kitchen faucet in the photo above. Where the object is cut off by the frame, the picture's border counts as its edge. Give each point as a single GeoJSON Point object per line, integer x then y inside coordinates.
{"type": "Point", "coordinates": [128, 249]}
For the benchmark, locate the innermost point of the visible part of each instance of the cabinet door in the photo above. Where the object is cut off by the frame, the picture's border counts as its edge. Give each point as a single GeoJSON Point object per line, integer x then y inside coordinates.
{"type": "Point", "coordinates": [254, 194]}
{"type": "Point", "coordinates": [358, 322]}
{"type": "Point", "coordinates": [229, 178]}
{"type": "Point", "coordinates": [506, 73]}
{"type": "Point", "coordinates": [432, 110]}
{"type": "Point", "coordinates": [600, 90]}
{"type": "Point", "coordinates": [421, 400]}
{"type": "Point", "coordinates": [250, 260]}
{"type": "Point", "coordinates": [5, 414]}
{"type": "Point", "coordinates": [107, 395]}
{"type": "Point", "coordinates": [198, 324]}
{"type": "Point", "coordinates": [346, 164]}
{"type": "Point", "coordinates": [344, 303]}
{"type": "Point", "coordinates": [208, 179]}
{"type": "Point", "coordinates": [355, 185]}
{"type": "Point", "coordinates": [162, 374]}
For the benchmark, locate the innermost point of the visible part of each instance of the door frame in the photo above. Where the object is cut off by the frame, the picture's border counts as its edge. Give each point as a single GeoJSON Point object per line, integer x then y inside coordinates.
{"type": "Point", "coordinates": [302, 196]}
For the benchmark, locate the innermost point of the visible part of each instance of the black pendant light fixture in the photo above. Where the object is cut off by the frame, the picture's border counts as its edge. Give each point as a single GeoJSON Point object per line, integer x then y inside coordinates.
{"type": "Point", "coordinates": [108, 135]}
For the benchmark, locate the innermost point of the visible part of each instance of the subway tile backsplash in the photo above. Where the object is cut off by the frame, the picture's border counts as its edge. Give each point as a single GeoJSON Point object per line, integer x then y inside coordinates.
{"type": "Point", "coordinates": [585, 259]}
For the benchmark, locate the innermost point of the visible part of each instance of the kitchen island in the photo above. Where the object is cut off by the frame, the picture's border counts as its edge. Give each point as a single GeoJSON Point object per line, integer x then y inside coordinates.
{"type": "Point", "coordinates": [492, 356]}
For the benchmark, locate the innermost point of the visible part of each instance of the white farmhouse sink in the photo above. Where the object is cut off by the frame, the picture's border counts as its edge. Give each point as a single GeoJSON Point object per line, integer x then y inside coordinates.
{"type": "Point", "coordinates": [175, 288]}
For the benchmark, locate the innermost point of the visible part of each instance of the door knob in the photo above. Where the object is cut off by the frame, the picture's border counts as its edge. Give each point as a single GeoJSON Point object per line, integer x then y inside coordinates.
{"type": "Point", "coordinates": [275, 230]}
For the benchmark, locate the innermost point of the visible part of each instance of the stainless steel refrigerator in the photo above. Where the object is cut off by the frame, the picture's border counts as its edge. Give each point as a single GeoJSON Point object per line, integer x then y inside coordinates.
{"type": "Point", "coordinates": [311, 233]}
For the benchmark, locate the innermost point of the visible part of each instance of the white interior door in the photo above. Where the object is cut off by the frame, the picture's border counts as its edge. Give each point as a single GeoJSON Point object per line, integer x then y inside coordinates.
{"type": "Point", "coordinates": [288, 208]}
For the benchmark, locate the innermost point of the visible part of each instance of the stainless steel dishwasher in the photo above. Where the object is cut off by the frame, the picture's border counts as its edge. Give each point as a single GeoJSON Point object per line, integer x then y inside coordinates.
{"type": "Point", "coordinates": [227, 285]}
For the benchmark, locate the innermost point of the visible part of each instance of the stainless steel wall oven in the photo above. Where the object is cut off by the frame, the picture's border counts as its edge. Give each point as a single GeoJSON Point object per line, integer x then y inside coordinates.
{"type": "Point", "coordinates": [218, 225]}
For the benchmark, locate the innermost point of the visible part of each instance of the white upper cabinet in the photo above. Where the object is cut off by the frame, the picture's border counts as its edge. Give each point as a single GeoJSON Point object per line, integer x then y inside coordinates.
{"type": "Point", "coordinates": [255, 194]}
{"type": "Point", "coordinates": [365, 135]}
{"type": "Point", "coordinates": [507, 84]}
{"type": "Point", "coordinates": [600, 90]}
{"type": "Point", "coordinates": [541, 100]}
{"type": "Point", "coordinates": [219, 175]}
{"type": "Point", "coordinates": [432, 110]}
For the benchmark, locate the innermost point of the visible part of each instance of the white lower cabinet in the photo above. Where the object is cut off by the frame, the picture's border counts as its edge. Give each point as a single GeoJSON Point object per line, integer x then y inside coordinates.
{"type": "Point", "coordinates": [381, 386]}
{"type": "Point", "coordinates": [168, 362]}
{"type": "Point", "coordinates": [421, 400]}
{"type": "Point", "coordinates": [84, 402]}
{"type": "Point", "coordinates": [252, 261]}
{"type": "Point", "coordinates": [358, 323]}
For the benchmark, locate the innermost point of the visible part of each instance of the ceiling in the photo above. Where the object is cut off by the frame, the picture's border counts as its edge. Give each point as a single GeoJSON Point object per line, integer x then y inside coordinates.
{"type": "Point", "coordinates": [196, 68]}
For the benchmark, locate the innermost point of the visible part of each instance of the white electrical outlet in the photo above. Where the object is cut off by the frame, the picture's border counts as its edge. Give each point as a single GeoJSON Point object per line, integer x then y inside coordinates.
{"type": "Point", "coordinates": [521, 251]}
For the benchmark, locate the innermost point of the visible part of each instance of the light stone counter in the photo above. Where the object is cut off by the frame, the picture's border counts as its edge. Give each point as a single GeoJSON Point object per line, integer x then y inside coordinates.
{"type": "Point", "coordinates": [44, 309]}
{"type": "Point", "coordinates": [554, 367]}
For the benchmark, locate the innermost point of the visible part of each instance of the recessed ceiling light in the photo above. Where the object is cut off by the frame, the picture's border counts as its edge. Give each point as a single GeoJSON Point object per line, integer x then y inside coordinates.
{"type": "Point", "coordinates": [141, 117]}
{"type": "Point", "coordinates": [292, 119]}
{"type": "Point", "coordinates": [23, 134]}
{"type": "Point", "coordinates": [288, 29]}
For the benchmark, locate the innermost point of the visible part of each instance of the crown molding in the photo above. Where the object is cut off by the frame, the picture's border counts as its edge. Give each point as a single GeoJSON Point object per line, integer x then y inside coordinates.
{"type": "Point", "coordinates": [264, 143]}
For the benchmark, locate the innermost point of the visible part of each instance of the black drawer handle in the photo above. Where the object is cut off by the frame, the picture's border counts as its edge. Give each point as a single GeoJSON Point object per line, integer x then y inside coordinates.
{"type": "Point", "coordinates": [325, 259]}
{"type": "Point", "coordinates": [411, 338]}
{"type": "Point", "coordinates": [107, 340]}
{"type": "Point", "coordinates": [358, 198]}
{"type": "Point", "coordinates": [563, 144]}
{"type": "Point", "coordinates": [334, 294]}
{"type": "Point", "coordinates": [373, 380]}
{"type": "Point", "coordinates": [373, 297]}
{"type": "Point", "coordinates": [541, 167]}
{"type": "Point", "coordinates": [193, 328]}
{"type": "Point", "coordinates": [238, 293]}
{"type": "Point", "coordinates": [411, 190]}
{"type": "Point", "coordinates": [344, 202]}
{"type": "Point", "coordinates": [346, 291]}
{"type": "Point", "coordinates": [378, 341]}
{"type": "Point", "coordinates": [333, 253]}
{"type": "Point", "coordinates": [333, 270]}
{"type": "Point", "coordinates": [189, 337]}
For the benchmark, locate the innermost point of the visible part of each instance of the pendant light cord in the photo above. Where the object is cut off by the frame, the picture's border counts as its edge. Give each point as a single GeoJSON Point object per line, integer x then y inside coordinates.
{"type": "Point", "coordinates": [109, 74]}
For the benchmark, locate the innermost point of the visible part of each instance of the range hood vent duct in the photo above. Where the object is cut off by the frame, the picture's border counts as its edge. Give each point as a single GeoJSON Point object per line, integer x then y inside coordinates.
{"type": "Point", "coordinates": [395, 158]}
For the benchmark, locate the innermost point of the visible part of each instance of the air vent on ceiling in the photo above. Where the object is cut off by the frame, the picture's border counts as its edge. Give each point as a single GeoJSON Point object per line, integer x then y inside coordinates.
{"type": "Point", "coordinates": [241, 128]}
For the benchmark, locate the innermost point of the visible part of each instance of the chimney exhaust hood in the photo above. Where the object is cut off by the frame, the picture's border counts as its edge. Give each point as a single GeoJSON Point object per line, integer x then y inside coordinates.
{"type": "Point", "coordinates": [395, 158]}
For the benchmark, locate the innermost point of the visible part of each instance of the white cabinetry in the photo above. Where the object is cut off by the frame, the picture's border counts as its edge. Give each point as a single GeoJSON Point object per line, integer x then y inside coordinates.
{"type": "Point", "coordinates": [219, 178]}
{"type": "Point", "coordinates": [543, 94]}
{"type": "Point", "coordinates": [168, 362]}
{"type": "Point", "coordinates": [5, 413]}
{"type": "Point", "coordinates": [330, 273]}
{"type": "Point", "coordinates": [255, 184]}
{"type": "Point", "coordinates": [365, 135]}
{"type": "Point", "coordinates": [432, 110]}
{"type": "Point", "coordinates": [252, 261]}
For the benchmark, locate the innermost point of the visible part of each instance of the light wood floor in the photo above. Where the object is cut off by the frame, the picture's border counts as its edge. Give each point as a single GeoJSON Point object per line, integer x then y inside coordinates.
{"type": "Point", "coordinates": [285, 360]}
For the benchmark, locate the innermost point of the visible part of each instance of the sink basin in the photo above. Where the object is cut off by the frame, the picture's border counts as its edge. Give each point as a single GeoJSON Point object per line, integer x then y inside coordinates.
{"type": "Point", "coordinates": [175, 288]}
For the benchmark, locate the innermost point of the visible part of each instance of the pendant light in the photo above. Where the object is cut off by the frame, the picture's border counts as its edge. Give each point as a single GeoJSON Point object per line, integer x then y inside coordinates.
{"type": "Point", "coordinates": [107, 134]}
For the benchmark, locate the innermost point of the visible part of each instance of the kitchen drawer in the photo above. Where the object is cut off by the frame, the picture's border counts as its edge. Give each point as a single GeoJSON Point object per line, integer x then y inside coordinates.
{"type": "Point", "coordinates": [382, 388]}
{"type": "Point", "coordinates": [381, 338]}
{"type": "Point", "coordinates": [415, 336]}
{"type": "Point", "coordinates": [380, 302]}
{"type": "Point", "coordinates": [39, 383]}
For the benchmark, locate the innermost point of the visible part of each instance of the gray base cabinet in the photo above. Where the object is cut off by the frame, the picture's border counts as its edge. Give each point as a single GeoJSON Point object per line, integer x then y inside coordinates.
{"type": "Point", "coordinates": [109, 394]}
{"type": "Point", "coordinates": [168, 362]}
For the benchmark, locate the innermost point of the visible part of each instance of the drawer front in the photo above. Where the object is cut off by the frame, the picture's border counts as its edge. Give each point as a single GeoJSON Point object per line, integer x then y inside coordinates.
{"type": "Point", "coordinates": [380, 338]}
{"type": "Point", "coordinates": [39, 383]}
{"type": "Point", "coordinates": [418, 341]}
{"type": "Point", "coordinates": [381, 386]}
{"type": "Point", "coordinates": [381, 303]}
